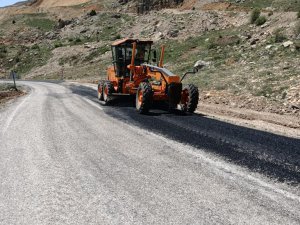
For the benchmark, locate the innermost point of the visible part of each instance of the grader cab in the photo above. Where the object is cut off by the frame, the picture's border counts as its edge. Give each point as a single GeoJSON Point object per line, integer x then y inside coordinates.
{"type": "Point", "coordinates": [133, 74]}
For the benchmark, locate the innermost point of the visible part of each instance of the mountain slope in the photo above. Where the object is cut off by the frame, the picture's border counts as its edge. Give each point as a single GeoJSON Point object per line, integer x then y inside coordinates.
{"type": "Point", "coordinates": [55, 3]}
{"type": "Point", "coordinates": [251, 66]}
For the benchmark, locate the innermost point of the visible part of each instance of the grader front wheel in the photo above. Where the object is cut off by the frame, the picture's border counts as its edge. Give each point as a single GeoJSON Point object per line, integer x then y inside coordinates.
{"type": "Point", "coordinates": [144, 96]}
{"type": "Point", "coordinates": [108, 89]}
{"type": "Point", "coordinates": [189, 98]}
{"type": "Point", "coordinates": [100, 90]}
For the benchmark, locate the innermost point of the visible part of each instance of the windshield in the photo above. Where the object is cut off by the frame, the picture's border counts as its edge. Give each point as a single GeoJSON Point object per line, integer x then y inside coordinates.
{"type": "Point", "coordinates": [122, 56]}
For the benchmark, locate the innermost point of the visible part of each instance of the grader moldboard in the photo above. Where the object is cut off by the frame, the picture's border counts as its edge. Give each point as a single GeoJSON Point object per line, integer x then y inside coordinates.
{"type": "Point", "coordinates": [132, 74]}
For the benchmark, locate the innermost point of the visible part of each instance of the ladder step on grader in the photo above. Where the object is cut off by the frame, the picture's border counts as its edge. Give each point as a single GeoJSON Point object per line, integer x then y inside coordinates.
{"type": "Point", "coordinates": [132, 74]}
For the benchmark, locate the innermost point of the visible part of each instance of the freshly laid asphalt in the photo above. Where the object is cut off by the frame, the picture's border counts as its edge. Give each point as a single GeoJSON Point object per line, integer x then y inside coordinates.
{"type": "Point", "coordinates": [65, 158]}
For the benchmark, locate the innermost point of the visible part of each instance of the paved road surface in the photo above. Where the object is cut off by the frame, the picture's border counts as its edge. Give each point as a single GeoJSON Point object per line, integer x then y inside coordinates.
{"type": "Point", "coordinates": [66, 159]}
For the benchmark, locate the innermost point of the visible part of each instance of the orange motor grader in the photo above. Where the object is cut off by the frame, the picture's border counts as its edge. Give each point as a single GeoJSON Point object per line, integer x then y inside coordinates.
{"type": "Point", "coordinates": [132, 74]}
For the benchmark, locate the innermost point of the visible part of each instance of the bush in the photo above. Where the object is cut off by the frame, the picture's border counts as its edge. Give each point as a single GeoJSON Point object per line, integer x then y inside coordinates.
{"type": "Point", "coordinates": [298, 15]}
{"type": "Point", "coordinates": [93, 13]}
{"type": "Point", "coordinates": [58, 45]}
{"type": "Point", "coordinates": [270, 13]}
{"type": "Point", "coordinates": [77, 40]}
{"type": "Point", "coordinates": [115, 37]}
{"type": "Point", "coordinates": [297, 45]}
{"type": "Point", "coordinates": [3, 49]}
{"type": "Point", "coordinates": [297, 29]}
{"type": "Point", "coordinates": [35, 46]}
{"type": "Point", "coordinates": [261, 20]}
{"type": "Point", "coordinates": [254, 15]}
{"type": "Point", "coordinates": [279, 36]}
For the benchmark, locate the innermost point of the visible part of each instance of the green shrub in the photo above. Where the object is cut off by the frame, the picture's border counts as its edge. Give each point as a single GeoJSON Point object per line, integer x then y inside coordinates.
{"type": "Point", "coordinates": [261, 20]}
{"type": "Point", "coordinates": [254, 15]}
{"type": "Point", "coordinates": [297, 45]}
{"type": "Point", "coordinates": [77, 40]}
{"type": "Point", "coordinates": [3, 49]}
{"type": "Point", "coordinates": [298, 14]}
{"type": "Point", "coordinates": [93, 13]}
{"type": "Point", "coordinates": [104, 49]}
{"type": "Point", "coordinates": [35, 46]}
{"type": "Point", "coordinates": [297, 28]}
{"type": "Point", "coordinates": [58, 44]}
{"type": "Point", "coordinates": [279, 36]}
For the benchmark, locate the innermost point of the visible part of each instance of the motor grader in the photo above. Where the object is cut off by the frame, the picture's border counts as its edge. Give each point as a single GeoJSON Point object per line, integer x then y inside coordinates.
{"type": "Point", "coordinates": [132, 74]}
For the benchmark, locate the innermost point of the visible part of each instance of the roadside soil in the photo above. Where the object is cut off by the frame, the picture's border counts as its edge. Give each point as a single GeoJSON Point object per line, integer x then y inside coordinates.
{"type": "Point", "coordinates": [9, 94]}
{"type": "Point", "coordinates": [286, 125]}
{"type": "Point", "coordinates": [250, 111]}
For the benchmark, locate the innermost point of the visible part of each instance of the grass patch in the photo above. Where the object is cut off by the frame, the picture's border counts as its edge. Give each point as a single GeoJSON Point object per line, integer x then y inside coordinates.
{"type": "Point", "coordinates": [27, 59]}
{"type": "Point", "coordinates": [91, 56]}
{"type": "Point", "coordinates": [103, 49]}
{"type": "Point", "coordinates": [43, 24]}
{"type": "Point", "coordinates": [259, 4]}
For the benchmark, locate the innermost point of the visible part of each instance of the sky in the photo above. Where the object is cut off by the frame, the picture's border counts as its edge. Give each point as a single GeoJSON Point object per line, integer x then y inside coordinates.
{"type": "Point", "coordinates": [8, 2]}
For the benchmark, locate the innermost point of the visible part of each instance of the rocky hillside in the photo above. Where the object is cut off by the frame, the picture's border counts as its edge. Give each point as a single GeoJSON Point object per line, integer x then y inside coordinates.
{"type": "Point", "coordinates": [254, 55]}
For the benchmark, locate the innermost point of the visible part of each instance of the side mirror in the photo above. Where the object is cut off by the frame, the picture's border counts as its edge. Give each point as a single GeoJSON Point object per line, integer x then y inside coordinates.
{"type": "Point", "coordinates": [154, 54]}
{"type": "Point", "coordinates": [199, 65]}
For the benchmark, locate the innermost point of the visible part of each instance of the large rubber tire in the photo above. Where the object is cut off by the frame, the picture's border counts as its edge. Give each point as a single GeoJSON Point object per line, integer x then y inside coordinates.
{"type": "Point", "coordinates": [100, 90]}
{"type": "Point", "coordinates": [144, 98]}
{"type": "Point", "coordinates": [190, 102]}
{"type": "Point", "coordinates": [108, 89]}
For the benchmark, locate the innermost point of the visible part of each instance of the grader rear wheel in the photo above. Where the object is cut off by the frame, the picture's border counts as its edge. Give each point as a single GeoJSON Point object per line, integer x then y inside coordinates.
{"type": "Point", "coordinates": [189, 98]}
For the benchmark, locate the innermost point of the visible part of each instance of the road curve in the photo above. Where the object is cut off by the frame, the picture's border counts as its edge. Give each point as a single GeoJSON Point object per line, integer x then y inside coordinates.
{"type": "Point", "coordinates": [66, 159]}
